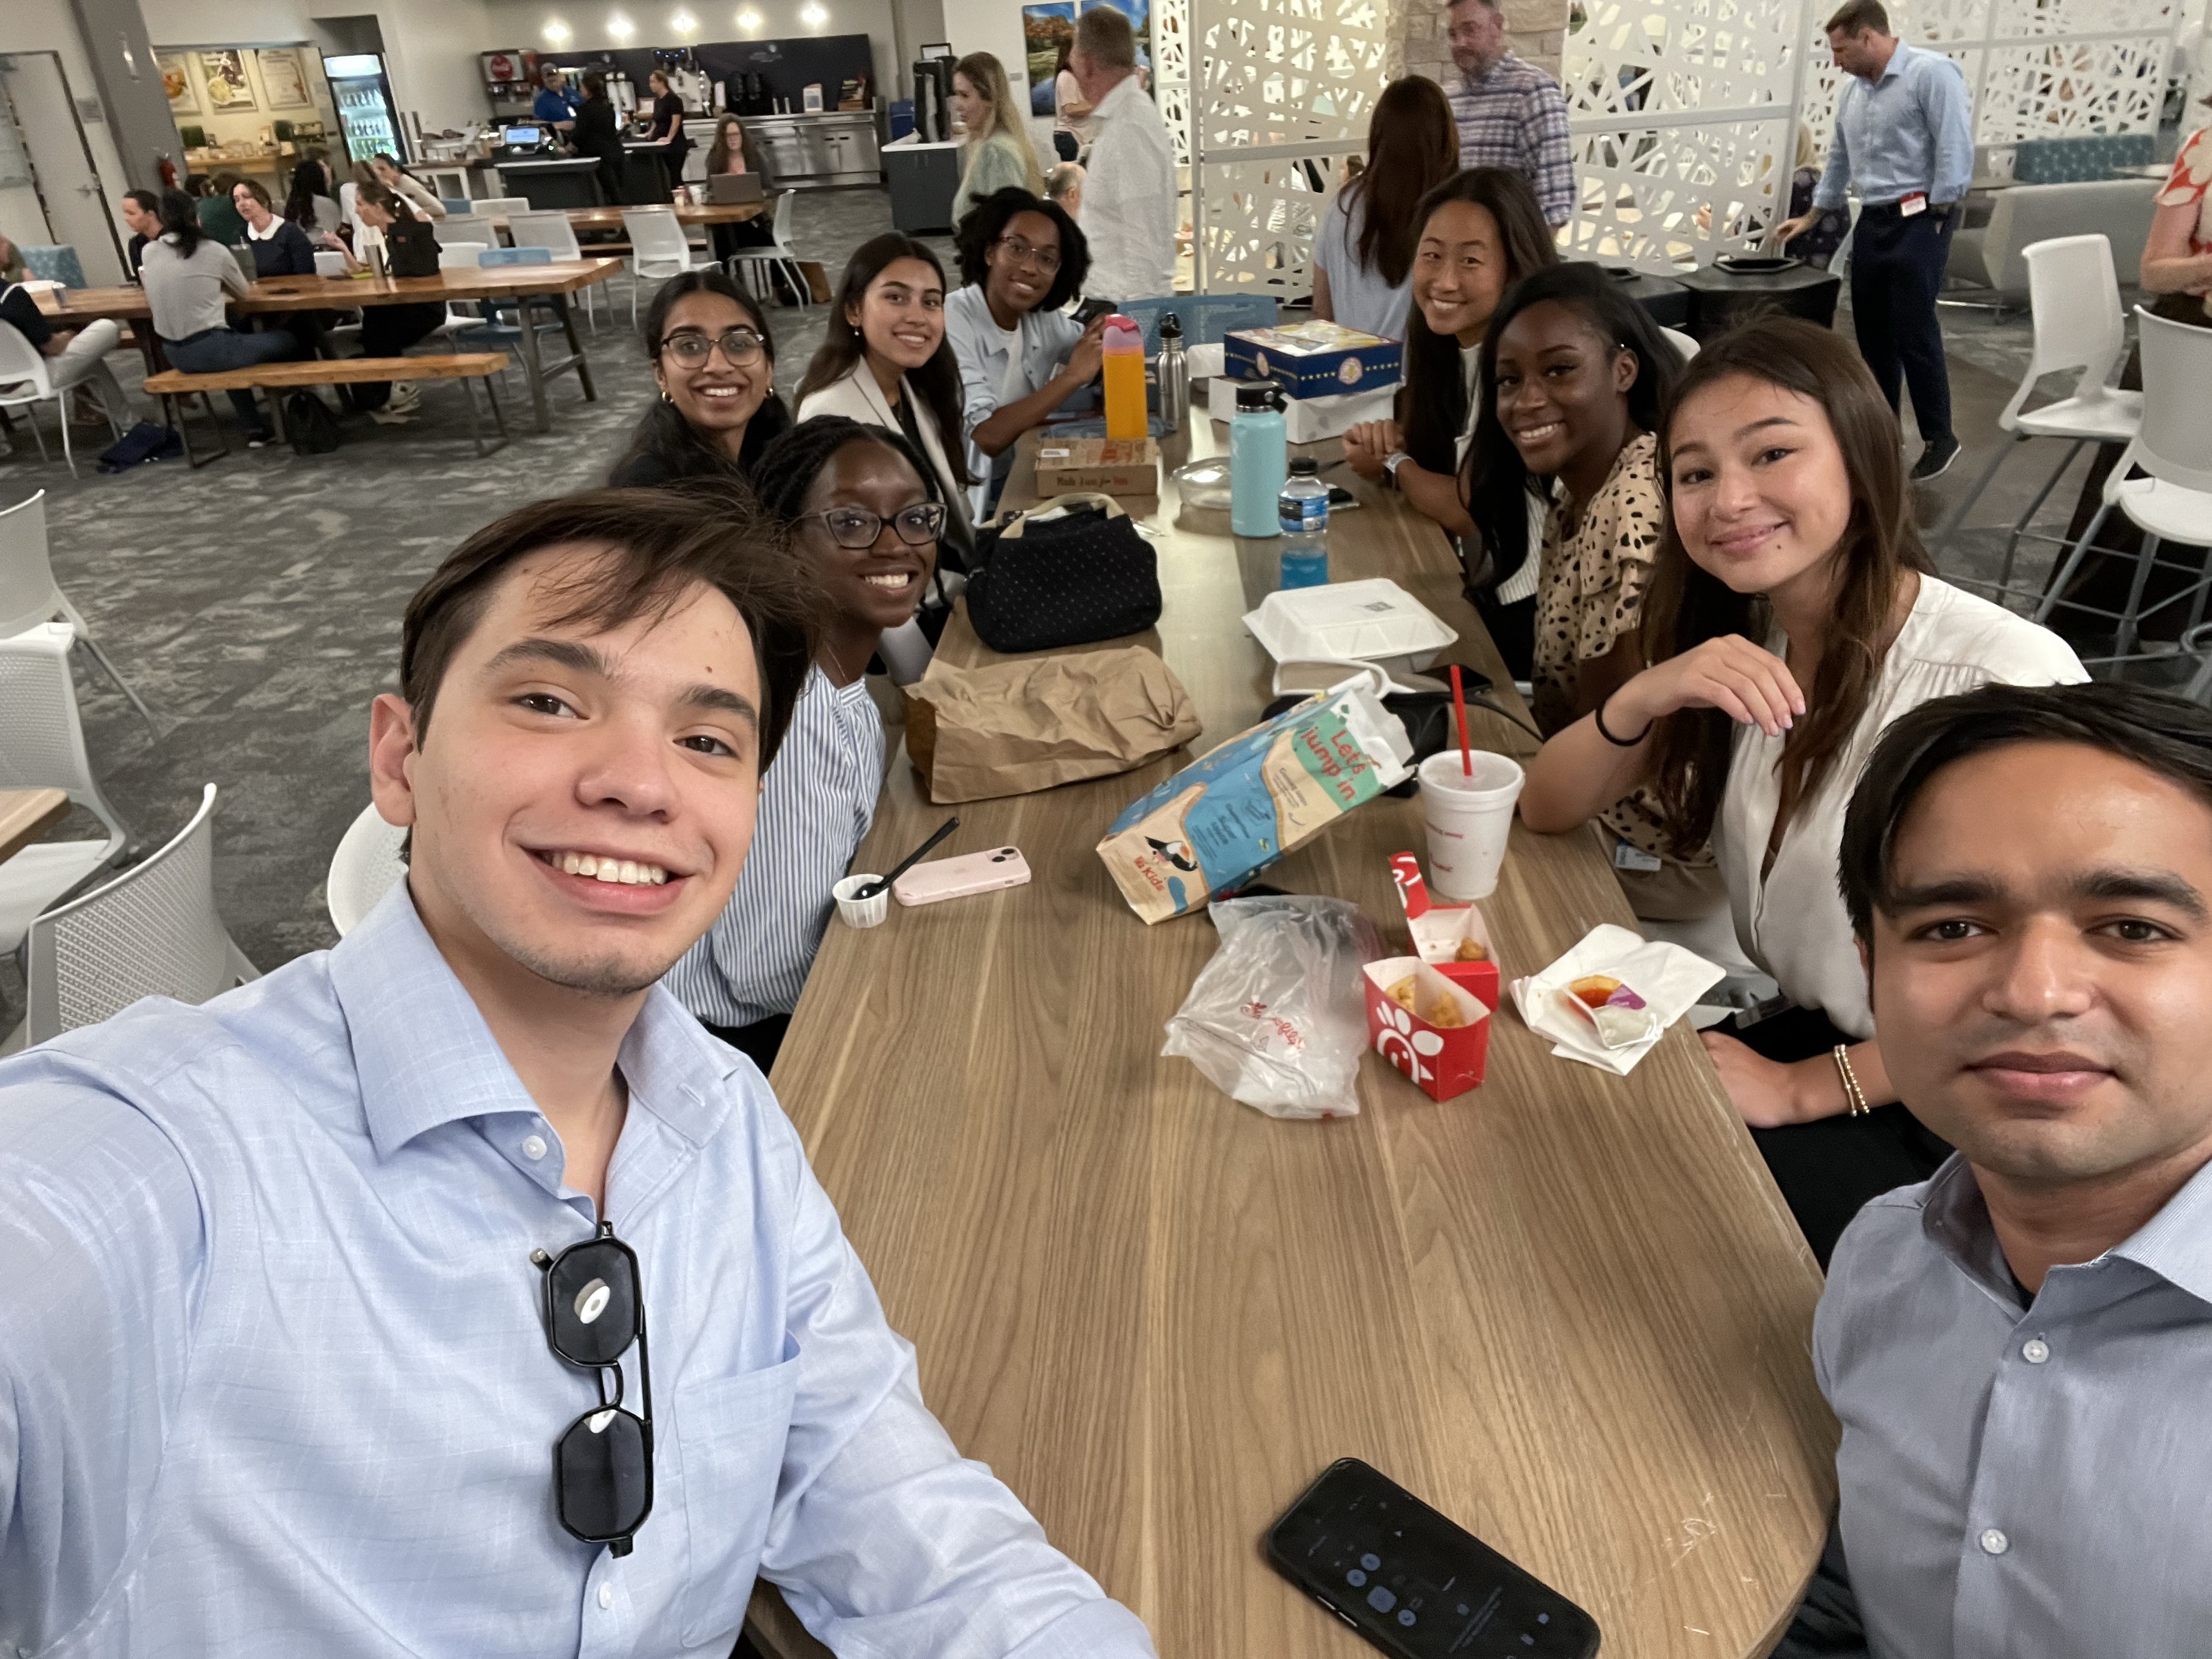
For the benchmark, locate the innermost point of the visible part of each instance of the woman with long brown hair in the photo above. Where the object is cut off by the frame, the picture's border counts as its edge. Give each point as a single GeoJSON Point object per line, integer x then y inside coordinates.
{"type": "Point", "coordinates": [1792, 615]}
{"type": "Point", "coordinates": [997, 154]}
{"type": "Point", "coordinates": [1362, 266]}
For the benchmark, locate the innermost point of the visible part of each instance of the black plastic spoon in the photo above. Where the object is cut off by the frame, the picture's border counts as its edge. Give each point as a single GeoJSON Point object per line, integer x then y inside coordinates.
{"type": "Point", "coordinates": [909, 860]}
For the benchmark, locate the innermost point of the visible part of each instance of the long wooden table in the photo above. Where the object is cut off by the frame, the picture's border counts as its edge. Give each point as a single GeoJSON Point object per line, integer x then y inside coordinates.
{"type": "Point", "coordinates": [283, 293]}
{"type": "Point", "coordinates": [26, 814]}
{"type": "Point", "coordinates": [611, 218]}
{"type": "Point", "coordinates": [1568, 1310]}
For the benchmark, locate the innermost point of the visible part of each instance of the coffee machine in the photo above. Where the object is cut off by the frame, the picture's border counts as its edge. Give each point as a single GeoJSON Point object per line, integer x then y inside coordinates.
{"type": "Point", "coordinates": [933, 92]}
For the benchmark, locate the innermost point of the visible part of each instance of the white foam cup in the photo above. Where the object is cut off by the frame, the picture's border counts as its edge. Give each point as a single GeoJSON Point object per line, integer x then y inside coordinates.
{"type": "Point", "coordinates": [1468, 818]}
{"type": "Point", "coordinates": [856, 912]}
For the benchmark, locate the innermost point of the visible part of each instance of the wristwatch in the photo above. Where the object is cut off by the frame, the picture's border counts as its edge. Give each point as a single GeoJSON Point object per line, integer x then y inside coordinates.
{"type": "Point", "coordinates": [1392, 462]}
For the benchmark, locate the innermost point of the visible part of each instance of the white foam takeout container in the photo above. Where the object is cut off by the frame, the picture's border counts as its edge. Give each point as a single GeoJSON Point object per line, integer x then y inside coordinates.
{"type": "Point", "coordinates": [1375, 621]}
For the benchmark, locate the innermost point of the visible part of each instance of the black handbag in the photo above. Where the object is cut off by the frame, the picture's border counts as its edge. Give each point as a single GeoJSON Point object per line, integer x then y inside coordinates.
{"type": "Point", "coordinates": [308, 423]}
{"type": "Point", "coordinates": [1069, 571]}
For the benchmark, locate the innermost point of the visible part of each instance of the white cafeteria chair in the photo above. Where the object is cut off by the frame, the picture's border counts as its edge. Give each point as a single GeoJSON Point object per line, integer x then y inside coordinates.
{"type": "Point", "coordinates": [658, 249]}
{"type": "Point", "coordinates": [42, 747]}
{"type": "Point", "coordinates": [2074, 301]}
{"type": "Point", "coordinates": [328, 262]}
{"type": "Point", "coordinates": [2174, 503]}
{"type": "Point", "coordinates": [465, 227]}
{"type": "Point", "coordinates": [29, 594]}
{"type": "Point", "coordinates": [551, 231]}
{"type": "Point", "coordinates": [779, 252]}
{"type": "Point", "coordinates": [366, 867]}
{"type": "Point", "coordinates": [153, 930]}
{"type": "Point", "coordinates": [25, 379]}
{"type": "Point", "coordinates": [500, 207]}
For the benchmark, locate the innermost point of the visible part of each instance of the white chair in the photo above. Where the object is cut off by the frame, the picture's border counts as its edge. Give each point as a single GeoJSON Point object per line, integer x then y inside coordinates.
{"type": "Point", "coordinates": [328, 262]}
{"type": "Point", "coordinates": [42, 747]}
{"type": "Point", "coordinates": [2174, 501]}
{"type": "Point", "coordinates": [551, 231]}
{"type": "Point", "coordinates": [21, 361]}
{"type": "Point", "coordinates": [658, 249]}
{"type": "Point", "coordinates": [501, 207]}
{"type": "Point", "coordinates": [29, 594]}
{"type": "Point", "coordinates": [460, 256]}
{"type": "Point", "coordinates": [779, 252]}
{"type": "Point", "coordinates": [2074, 299]}
{"type": "Point", "coordinates": [366, 867]}
{"type": "Point", "coordinates": [1685, 346]}
{"type": "Point", "coordinates": [466, 228]}
{"type": "Point", "coordinates": [152, 932]}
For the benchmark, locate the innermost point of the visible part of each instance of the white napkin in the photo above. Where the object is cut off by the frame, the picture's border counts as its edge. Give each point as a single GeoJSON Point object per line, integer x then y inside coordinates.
{"type": "Point", "coordinates": [1668, 978]}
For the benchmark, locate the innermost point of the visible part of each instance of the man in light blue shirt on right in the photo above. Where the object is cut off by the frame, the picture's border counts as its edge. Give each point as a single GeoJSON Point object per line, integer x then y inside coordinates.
{"type": "Point", "coordinates": [1905, 140]}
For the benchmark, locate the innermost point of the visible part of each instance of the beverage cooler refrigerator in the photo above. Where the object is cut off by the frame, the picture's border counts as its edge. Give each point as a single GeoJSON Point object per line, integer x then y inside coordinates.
{"type": "Point", "coordinates": [367, 114]}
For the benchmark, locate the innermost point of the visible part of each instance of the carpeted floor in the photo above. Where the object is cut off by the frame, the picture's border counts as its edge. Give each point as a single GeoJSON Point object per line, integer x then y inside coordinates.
{"type": "Point", "coordinates": [255, 603]}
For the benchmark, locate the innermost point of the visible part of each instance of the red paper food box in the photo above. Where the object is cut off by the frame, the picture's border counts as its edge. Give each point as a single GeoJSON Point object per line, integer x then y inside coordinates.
{"type": "Point", "coordinates": [1439, 930]}
{"type": "Point", "coordinates": [1443, 1060]}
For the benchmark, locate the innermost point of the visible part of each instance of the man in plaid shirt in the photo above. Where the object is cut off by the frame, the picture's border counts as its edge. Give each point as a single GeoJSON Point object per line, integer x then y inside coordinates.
{"type": "Point", "coordinates": [1510, 113]}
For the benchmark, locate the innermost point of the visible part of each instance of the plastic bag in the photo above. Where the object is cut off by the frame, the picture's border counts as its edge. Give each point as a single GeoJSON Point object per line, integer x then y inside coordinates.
{"type": "Point", "coordinates": [1278, 1018]}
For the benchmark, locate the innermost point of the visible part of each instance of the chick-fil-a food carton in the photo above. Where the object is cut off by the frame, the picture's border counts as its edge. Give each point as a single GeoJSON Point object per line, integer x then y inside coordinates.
{"type": "Point", "coordinates": [1430, 1028]}
{"type": "Point", "coordinates": [1452, 939]}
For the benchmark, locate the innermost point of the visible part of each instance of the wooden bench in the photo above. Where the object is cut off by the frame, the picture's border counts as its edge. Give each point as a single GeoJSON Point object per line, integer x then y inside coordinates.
{"type": "Point", "coordinates": [173, 386]}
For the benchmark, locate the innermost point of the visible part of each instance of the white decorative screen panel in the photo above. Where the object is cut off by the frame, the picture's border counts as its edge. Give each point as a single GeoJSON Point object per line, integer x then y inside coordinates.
{"type": "Point", "coordinates": [1281, 91]}
{"type": "Point", "coordinates": [1680, 114]}
{"type": "Point", "coordinates": [1171, 71]}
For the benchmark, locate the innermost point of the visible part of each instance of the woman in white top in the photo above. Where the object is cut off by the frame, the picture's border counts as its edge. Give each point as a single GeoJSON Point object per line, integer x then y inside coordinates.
{"type": "Point", "coordinates": [1071, 113]}
{"type": "Point", "coordinates": [885, 360]}
{"type": "Point", "coordinates": [1021, 354]}
{"type": "Point", "coordinates": [1363, 264]}
{"type": "Point", "coordinates": [1792, 616]}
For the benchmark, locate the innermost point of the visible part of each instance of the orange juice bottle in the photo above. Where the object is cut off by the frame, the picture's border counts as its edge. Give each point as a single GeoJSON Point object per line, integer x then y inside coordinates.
{"type": "Point", "coordinates": [1124, 375]}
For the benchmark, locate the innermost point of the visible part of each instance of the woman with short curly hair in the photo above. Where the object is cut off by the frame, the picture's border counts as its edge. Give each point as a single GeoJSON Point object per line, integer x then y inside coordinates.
{"type": "Point", "coordinates": [1021, 355]}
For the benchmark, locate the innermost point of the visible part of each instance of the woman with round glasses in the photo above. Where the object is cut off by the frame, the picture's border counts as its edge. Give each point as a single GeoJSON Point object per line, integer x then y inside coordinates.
{"type": "Point", "coordinates": [1021, 355]}
{"type": "Point", "coordinates": [864, 510]}
{"type": "Point", "coordinates": [715, 366]}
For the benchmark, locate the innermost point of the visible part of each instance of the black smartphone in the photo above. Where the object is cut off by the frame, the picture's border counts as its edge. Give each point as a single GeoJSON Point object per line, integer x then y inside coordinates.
{"type": "Point", "coordinates": [1092, 310]}
{"type": "Point", "coordinates": [1413, 1582]}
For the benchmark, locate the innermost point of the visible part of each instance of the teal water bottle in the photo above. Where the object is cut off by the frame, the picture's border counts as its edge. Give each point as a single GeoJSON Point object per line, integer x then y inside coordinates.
{"type": "Point", "coordinates": [1259, 459]}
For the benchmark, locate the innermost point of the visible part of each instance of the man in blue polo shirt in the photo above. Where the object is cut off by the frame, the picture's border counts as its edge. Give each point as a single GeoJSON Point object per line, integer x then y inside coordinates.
{"type": "Point", "coordinates": [1905, 139]}
{"type": "Point", "coordinates": [555, 105]}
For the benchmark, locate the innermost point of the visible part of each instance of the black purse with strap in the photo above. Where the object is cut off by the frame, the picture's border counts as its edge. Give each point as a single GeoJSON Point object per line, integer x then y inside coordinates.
{"type": "Point", "coordinates": [1070, 571]}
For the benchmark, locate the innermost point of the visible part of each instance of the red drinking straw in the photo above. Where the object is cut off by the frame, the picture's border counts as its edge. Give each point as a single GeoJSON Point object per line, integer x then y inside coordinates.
{"type": "Point", "coordinates": [1459, 707]}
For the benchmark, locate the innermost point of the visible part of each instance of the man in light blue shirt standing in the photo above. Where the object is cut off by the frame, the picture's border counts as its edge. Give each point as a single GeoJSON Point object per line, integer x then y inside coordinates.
{"type": "Point", "coordinates": [323, 1308]}
{"type": "Point", "coordinates": [1905, 140]}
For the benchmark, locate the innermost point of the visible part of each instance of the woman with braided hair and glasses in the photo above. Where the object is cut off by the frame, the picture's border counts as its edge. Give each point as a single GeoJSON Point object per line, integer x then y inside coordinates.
{"type": "Point", "coordinates": [714, 363]}
{"type": "Point", "coordinates": [864, 512]}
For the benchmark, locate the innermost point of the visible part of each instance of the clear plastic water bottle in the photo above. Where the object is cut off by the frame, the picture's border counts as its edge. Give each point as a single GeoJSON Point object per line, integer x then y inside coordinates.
{"type": "Point", "coordinates": [1302, 511]}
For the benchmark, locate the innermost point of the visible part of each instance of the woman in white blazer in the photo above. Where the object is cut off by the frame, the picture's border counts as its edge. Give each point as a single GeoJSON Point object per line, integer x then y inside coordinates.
{"type": "Point", "coordinates": [885, 360]}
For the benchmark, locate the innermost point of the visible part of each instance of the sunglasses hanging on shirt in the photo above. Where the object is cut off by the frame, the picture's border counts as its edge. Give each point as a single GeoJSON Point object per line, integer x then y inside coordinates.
{"type": "Point", "coordinates": [603, 1461]}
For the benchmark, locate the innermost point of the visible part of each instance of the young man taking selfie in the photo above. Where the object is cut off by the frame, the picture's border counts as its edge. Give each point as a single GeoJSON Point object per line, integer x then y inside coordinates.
{"type": "Point", "coordinates": [2017, 1348]}
{"type": "Point", "coordinates": [453, 1292]}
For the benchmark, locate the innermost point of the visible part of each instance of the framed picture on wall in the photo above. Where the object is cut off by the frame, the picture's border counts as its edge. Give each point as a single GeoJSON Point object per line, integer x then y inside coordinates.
{"type": "Point", "coordinates": [177, 82]}
{"type": "Point", "coordinates": [1140, 13]}
{"type": "Point", "coordinates": [1047, 29]}
{"type": "Point", "coordinates": [284, 82]}
{"type": "Point", "coordinates": [227, 88]}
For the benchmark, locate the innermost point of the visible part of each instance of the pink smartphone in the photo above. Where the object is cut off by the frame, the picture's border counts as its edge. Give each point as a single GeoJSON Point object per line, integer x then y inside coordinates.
{"type": "Point", "coordinates": [951, 878]}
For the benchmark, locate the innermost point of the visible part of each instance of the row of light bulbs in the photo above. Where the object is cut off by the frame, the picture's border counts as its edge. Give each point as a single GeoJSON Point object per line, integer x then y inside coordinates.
{"type": "Point", "coordinates": [620, 29]}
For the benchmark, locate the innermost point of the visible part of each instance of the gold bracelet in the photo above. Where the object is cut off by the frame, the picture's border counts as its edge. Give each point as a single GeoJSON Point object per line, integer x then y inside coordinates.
{"type": "Point", "coordinates": [1855, 1100]}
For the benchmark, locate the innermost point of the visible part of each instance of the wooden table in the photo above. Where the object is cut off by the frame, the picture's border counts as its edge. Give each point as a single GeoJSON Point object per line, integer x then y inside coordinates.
{"type": "Point", "coordinates": [611, 218]}
{"type": "Point", "coordinates": [283, 293]}
{"type": "Point", "coordinates": [1568, 1310]}
{"type": "Point", "coordinates": [26, 814]}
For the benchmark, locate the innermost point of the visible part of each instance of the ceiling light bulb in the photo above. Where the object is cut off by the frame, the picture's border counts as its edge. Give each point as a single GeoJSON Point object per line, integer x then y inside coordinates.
{"type": "Point", "coordinates": [619, 26]}
{"type": "Point", "coordinates": [748, 20]}
{"type": "Point", "coordinates": [812, 15]}
{"type": "Point", "coordinates": [683, 23]}
{"type": "Point", "coordinates": [556, 32]}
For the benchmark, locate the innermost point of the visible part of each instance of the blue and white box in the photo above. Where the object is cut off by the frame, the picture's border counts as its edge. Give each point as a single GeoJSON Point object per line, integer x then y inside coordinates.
{"type": "Point", "coordinates": [1313, 359]}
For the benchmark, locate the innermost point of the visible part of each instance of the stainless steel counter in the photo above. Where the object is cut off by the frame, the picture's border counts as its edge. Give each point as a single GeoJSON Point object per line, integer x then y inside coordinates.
{"type": "Point", "coordinates": [802, 152]}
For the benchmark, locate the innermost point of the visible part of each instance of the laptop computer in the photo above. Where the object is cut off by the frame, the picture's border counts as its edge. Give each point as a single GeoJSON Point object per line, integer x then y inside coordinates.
{"type": "Point", "coordinates": [733, 189]}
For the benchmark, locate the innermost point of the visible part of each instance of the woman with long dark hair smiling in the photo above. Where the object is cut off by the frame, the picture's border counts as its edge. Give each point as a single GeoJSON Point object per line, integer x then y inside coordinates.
{"type": "Point", "coordinates": [714, 363]}
{"type": "Point", "coordinates": [1792, 614]}
{"type": "Point", "coordinates": [885, 360]}
{"type": "Point", "coordinates": [1363, 263]}
{"type": "Point", "coordinates": [1566, 447]}
{"type": "Point", "coordinates": [1481, 231]}
{"type": "Point", "coordinates": [1021, 355]}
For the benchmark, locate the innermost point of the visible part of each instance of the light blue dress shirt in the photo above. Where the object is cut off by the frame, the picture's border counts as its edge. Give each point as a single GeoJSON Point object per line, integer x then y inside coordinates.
{"type": "Point", "coordinates": [988, 381]}
{"type": "Point", "coordinates": [2021, 1479]}
{"type": "Point", "coordinates": [1913, 130]}
{"type": "Point", "coordinates": [273, 1379]}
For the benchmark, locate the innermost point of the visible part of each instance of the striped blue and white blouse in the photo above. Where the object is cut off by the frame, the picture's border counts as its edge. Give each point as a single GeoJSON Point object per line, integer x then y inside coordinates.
{"type": "Point", "coordinates": [816, 802]}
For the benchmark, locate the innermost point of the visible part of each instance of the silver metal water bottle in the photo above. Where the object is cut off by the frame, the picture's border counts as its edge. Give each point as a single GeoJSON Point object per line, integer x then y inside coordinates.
{"type": "Point", "coordinates": [1174, 374]}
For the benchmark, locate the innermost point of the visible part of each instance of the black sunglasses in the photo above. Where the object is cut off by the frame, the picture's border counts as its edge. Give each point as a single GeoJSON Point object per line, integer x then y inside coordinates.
{"type": "Point", "coordinates": [603, 1461]}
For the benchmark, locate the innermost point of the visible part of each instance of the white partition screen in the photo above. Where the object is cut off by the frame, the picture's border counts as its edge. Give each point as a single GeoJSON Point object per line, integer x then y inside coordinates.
{"type": "Point", "coordinates": [1681, 116]}
{"type": "Point", "coordinates": [1282, 92]}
